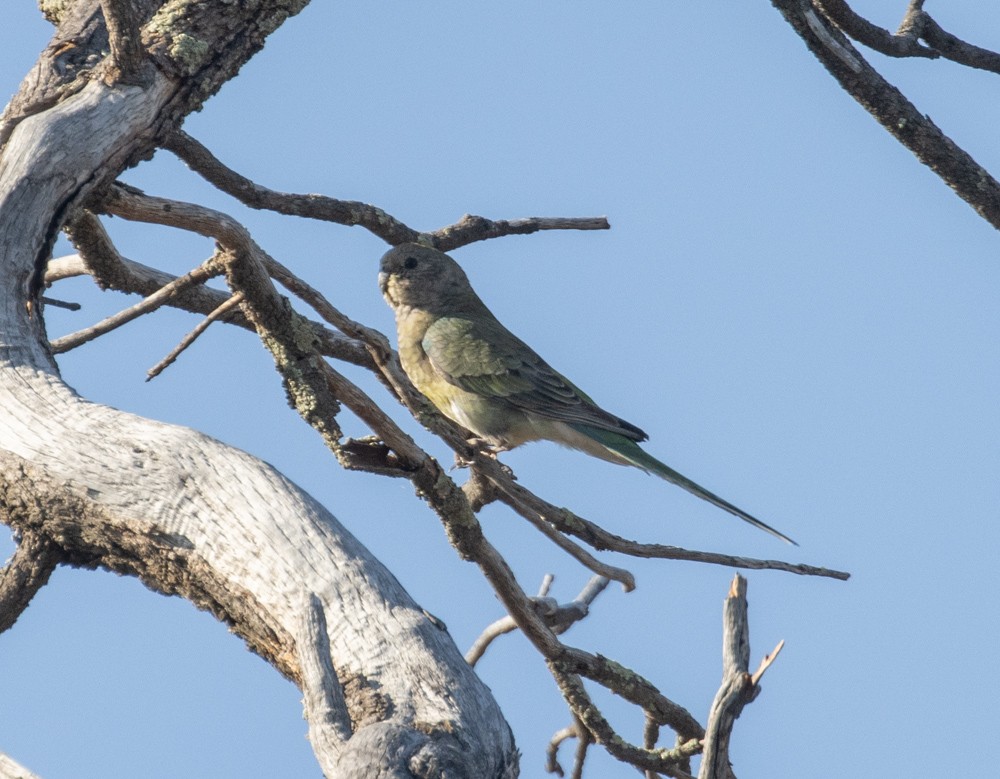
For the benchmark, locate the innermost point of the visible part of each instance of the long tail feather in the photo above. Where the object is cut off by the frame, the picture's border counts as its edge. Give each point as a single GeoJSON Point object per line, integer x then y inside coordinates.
{"type": "Point", "coordinates": [632, 453]}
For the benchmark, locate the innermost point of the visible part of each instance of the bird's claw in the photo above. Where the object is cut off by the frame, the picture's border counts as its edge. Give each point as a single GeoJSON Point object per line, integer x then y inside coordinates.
{"type": "Point", "coordinates": [482, 446]}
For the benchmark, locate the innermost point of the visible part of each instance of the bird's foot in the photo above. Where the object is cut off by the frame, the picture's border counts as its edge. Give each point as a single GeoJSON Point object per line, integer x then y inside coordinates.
{"type": "Point", "coordinates": [482, 446]}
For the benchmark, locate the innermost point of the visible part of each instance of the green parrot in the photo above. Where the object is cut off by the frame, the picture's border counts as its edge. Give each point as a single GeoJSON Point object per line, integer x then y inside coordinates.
{"type": "Point", "coordinates": [478, 373]}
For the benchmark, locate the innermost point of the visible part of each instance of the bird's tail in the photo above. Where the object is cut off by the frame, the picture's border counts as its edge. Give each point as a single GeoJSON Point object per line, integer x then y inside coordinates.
{"type": "Point", "coordinates": [632, 453]}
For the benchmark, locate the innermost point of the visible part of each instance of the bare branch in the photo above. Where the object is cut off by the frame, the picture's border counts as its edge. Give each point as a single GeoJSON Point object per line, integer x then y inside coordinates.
{"type": "Point", "coordinates": [470, 228]}
{"type": "Point", "coordinates": [955, 49]}
{"type": "Point", "coordinates": [209, 269]}
{"type": "Point", "coordinates": [27, 571]}
{"type": "Point", "coordinates": [559, 617]}
{"type": "Point", "coordinates": [99, 258]}
{"type": "Point", "coordinates": [892, 110]}
{"type": "Point", "coordinates": [352, 212]}
{"type": "Point", "coordinates": [328, 209]}
{"type": "Point", "coordinates": [766, 662]}
{"type": "Point", "coordinates": [738, 686]}
{"type": "Point", "coordinates": [871, 35]}
{"type": "Point", "coordinates": [315, 389]}
{"type": "Point", "coordinates": [661, 760]}
{"type": "Point", "coordinates": [534, 508]}
{"type": "Point", "coordinates": [552, 751]}
{"type": "Point", "coordinates": [190, 338]}
{"type": "Point", "coordinates": [581, 555]}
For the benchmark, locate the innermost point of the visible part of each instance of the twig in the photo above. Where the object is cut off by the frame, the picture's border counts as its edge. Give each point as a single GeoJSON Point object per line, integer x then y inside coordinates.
{"type": "Point", "coordinates": [100, 259]}
{"type": "Point", "coordinates": [581, 555]}
{"type": "Point", "coordinates": [663, 761]}
{"type": "Point", "coordinates": [27, 571]}
{"type": "Point", "coordinates": [766, 662]}
{"type": "Point", "coordinates": [59, 303]}
{"type": "Point", "coordinates": [471, 228]}
{"type": "Point", "coordinates": [558, 617]}
{"type": "Point", "coordinates": [529, 505]}
{"type": "Point", "coordinates": [191, 337]}
{"type": "Point", "coordinates": [199, 275]}
{"type": "Point", "coordinates": [552, 751]}
{"type": "Point", "coordinates": [583, 742]}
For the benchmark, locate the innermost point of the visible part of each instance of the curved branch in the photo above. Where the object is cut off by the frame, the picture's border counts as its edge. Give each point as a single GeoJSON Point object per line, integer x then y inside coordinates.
{"type": "Point", "coordinates": [351, 212]}
{"type": "Point", "coordinates": [328, 209]}
{"type": "Point", "coordinates": [871, 35]}
{"type": "Point", "coordinates": [892, 110]}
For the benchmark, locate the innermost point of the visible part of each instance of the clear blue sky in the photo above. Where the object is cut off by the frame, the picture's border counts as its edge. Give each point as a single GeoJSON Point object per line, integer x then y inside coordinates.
{"type": "Point", "coordinates": [801, 316]}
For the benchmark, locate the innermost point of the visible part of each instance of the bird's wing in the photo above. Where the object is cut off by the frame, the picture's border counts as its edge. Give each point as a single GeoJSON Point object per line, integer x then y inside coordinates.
{"type": "Point", "coordinates": [483, 357]}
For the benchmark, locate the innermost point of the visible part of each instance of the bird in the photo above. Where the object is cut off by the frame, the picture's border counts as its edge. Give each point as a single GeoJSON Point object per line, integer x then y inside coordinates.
{"type": "Point", "coordinates": [482, 376]}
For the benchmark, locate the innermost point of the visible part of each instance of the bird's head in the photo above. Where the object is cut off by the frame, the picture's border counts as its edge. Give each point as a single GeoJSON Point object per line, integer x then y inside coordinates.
{"type": "Point", "coordinates": [415, 276]}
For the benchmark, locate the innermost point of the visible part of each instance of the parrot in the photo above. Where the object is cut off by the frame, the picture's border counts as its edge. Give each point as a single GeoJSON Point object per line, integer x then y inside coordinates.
{"type": "Point", "coordinates": [480, 375]}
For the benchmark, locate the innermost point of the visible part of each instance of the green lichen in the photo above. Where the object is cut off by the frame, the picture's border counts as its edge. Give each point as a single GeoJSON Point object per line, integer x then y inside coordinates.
{"type": "Point", "coordinates": [53, 10]}
{"type": "Point", "coordinates": [187, 52]}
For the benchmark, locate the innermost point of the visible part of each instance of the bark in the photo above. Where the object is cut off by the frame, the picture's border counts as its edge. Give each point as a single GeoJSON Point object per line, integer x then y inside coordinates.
{"type": "Point", "coordinates": [185, 513]}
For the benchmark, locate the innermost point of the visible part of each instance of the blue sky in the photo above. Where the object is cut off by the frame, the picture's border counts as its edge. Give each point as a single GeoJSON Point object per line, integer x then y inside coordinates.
{"type": "Point", "coordinates": [802, 317]}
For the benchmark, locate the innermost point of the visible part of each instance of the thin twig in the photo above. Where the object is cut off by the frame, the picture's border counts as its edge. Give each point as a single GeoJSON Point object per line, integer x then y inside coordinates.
{"type": "Point", "coordinates": [100, 259]}
{"type": "Point", "coordinates": [471, 228]}
{"type": "Point", "coordinates": [581, 555]}
{"type": "Point", "coordinates": [766, 662]}
{"type": "Point", "coordinates": [559, 617]}
{"type": "Point", "coordinates": [59, 303]}
{"type": "Point", "coordinates": [583, 742]}
{"type": "Point", "coordinates": [552, 751]}
{"type": "Point", "coordinates": [209, 269]}
{"type": "Point", "coordinates": [663, 761]}
{"type": "Point", "coordinates": [191, 337]}
{"type": "Point", "coordinates": [529, 505]}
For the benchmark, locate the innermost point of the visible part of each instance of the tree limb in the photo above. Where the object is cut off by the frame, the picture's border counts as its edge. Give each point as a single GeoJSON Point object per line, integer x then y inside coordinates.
{"type": "Point", "coordinates": [351, 212]}
{"type": "Point", "coordinates": [892, 110]}
{"type": "Point", "coordinates": [27, 571]}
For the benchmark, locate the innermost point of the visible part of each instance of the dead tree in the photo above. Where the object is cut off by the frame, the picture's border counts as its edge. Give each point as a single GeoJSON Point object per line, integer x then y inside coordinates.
{"type": "Point", "coordinates": [386, 691]}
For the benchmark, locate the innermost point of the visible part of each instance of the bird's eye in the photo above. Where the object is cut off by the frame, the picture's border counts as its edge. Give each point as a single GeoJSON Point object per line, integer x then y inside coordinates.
{"type": "Point", "coordinates": [410, 263]}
